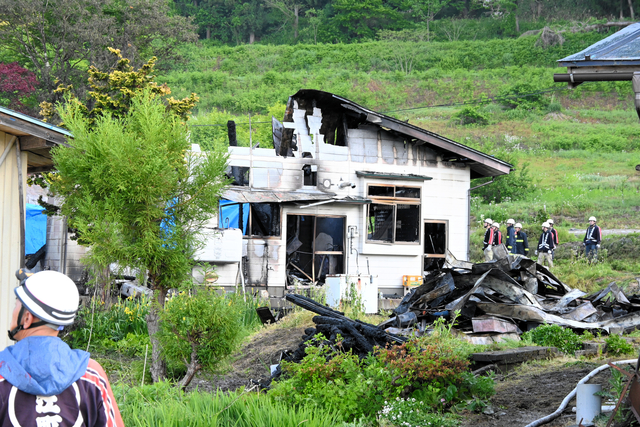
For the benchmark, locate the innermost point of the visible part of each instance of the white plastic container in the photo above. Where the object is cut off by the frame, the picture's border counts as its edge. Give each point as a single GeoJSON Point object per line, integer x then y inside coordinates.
{"type": "Point", "coordinates": [587, 403]}
{"type": "Point", "coordinates": [337, 286]}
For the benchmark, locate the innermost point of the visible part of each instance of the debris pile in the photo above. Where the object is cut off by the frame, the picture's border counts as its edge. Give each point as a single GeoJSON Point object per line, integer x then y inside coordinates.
{"type": "Point", "coordinates": [501, 298]}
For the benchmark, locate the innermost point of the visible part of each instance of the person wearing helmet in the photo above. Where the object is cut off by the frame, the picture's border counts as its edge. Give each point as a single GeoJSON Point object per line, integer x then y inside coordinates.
{"type": "Point", "coordinates": [497, 234]}
{"type": "Point", "coordinates": [487, 247]}
{"type": "Point", "coordinates": [522, 244]}
{"type": "Point", "coordinates": [592, 238]}
{"type": "Point", "coordinates": [511, 235]}
{"type": "Point", "coordinates": [545, 246]}
{"type": "Point", "coordinates": [554, 234]}
{"type": "Point", "coordinates": [43, 382]}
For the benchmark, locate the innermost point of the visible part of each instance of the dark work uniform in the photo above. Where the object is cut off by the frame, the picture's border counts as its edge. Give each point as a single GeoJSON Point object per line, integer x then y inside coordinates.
{"type": "Point", "coordinates": [522, 244]}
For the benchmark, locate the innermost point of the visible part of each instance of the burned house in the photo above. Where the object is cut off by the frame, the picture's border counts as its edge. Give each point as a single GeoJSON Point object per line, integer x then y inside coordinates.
{"type": "Point", "coordinates": [347, 193]}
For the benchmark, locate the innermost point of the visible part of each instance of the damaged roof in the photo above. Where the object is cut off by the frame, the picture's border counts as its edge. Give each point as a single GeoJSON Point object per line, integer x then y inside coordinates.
{"type": "Point", "coordinates": [346, 114]}
{"type": "Point", "coordinates": [621, 48]}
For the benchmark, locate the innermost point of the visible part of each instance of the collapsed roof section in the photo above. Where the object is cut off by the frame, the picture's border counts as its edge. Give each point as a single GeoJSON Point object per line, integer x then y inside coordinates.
{"type": "Point", "coordinates": [332, 116]}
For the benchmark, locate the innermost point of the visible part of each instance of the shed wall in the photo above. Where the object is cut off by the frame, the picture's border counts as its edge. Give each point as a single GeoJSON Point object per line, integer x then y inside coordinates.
{"type": "Point", "coordinates": [9, 231]}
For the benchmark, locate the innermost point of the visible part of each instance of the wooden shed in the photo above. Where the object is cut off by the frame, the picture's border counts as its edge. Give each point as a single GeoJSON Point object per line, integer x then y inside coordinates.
{"type": "Point", "coordinates": [25, 145]}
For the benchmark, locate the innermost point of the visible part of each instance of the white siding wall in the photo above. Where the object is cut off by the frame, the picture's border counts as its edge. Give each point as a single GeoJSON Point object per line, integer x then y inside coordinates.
{"type": "Point", "coordinates": [9, 232]}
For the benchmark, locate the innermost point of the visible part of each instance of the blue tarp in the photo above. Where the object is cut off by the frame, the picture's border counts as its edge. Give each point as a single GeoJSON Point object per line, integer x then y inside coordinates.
{"type": "Point", "coordinates": [35, 229]}
{"type": "Point", "coordinates": [230, 215]}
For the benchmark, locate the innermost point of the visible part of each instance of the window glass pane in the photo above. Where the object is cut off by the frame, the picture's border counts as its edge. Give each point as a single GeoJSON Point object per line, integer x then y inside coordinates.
{"type": "Point", "coordinates": [329, 234]}
{"type": "Point", "coordinates": [380, 222]}
{"type": "Point", "coordinates": [408, 192]}
{"type": "Point", "coordinates": [379, 191]}
{"type": "Point", "coordinates": [435, 238]}
{"type": "Point", "coordinates": [408, 223]}
{"type": "Point", "coordinates": [265, 219]}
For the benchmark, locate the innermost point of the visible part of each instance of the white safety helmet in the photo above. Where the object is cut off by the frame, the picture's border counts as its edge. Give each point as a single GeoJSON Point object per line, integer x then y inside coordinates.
{"type": "Point", "coordinates": [592, 218]}
{"type": "Point", "coordinates": [510, 221]}
{"type": "Point", "coordinates": [495, 224]}
{"type": "Point", "coordinates": [488, 221]}
{"type": "Point", "coordinates": [550, 221]}
{"type": "Point", "coordinates": [518, 225]}
{"type": "Point", "coordinates": [545, 224]}
{"type": "Point", "coordinates": [49, 295]}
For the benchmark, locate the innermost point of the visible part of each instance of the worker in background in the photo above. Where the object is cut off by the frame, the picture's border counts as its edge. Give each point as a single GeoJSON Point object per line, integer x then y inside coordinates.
{"type": "Point", "coordinates": [554, 233]}
{"type": "Point", "coordinates": [487, 247]}
{"type": "Point", "coordinates": [545, 246]}
{"type": "Point", "coordinates": [522, 244]}
{"type": "Point", "coordinates": [511, 235]}
{"type": "Point", "coordinates": [592, 239]}
{"type": "Point", "coordinates": [43, 382]}
{"type": "Point", "coordinates": [497, 234]}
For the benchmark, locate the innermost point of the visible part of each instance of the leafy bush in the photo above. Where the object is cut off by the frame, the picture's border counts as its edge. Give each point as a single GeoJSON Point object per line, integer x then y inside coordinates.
{"type": "Point", "coordinates": [564, 340]}
{"type": "Point", "coordinates": [470, 116]}
{"type": "Point", "coordinates": [199, 329]}
{"type": "Point", "coordinates": [523, 96]}
{"type": "Point", "coordinates": [617, 346]}
{"type": "Point", "coordinates": [432, 370]}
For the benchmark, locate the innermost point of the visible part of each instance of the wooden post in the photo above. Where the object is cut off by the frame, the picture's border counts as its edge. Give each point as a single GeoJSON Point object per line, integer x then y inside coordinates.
{"type": "Point", "coordinates": [21, 202]}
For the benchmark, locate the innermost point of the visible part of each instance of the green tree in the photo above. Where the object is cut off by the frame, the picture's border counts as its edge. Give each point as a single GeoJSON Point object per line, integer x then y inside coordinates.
{"type": "Point", "coordinates": [362, 19]}
{"type": "Point", "coordinates": [56, 39]}
{"type": "Point", "coordinates": [199, 328]}
{"type": "Point", "coordinates": [136, 194]}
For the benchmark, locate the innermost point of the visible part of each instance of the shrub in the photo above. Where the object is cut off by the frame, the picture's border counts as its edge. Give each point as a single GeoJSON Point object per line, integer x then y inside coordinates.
{"type": "Point", "coordinates": [617, 346]}
{"type": "Point", "coordinates": [523, 96]}
{"type": "Point", "coordinates": [470, 116]}
{"type": "Point", "coordinates": [199, 329]}
{"type": "Point", "coordinates": [564, 340]}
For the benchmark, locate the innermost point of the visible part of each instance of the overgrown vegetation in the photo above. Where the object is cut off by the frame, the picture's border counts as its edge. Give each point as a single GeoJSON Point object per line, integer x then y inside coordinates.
{"type": "Point", "coordinates": [432, 370]}
{"type": "Point", "coordinates": [563, 339]}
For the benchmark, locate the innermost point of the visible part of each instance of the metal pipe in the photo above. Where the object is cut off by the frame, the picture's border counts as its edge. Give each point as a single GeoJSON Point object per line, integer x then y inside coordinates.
{"type": "Point", "coordinates": [317, 203]}
{"type": "Point", "coordinates": [7, 149]}
{"type": "Point", "coordinates": [21, 203]}
{"type": "Point", "coordinates": [591, 77]}
{"type": "Point", "coordinates": [493, 178]}
{"type": "Point", "coordinates": [571, 395]}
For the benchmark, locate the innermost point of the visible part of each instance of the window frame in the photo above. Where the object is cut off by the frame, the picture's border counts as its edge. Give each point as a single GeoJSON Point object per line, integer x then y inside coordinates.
{"type": "Point", "coordinates": [394, 201]}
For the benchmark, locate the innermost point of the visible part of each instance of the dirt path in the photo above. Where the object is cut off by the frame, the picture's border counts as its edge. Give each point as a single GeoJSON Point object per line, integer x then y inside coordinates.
{"type": "Point", "coordinates": [533, 391]}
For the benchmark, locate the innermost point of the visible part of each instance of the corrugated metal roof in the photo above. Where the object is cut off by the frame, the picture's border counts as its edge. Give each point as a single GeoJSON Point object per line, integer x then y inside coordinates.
{"type": "Point", "coordinates": [621, 48]}
{"type": "Point", "coordinates": [247, 195]}
{"type": "Point", "coordinates": [386, 175]}
{"type": "Point", "coordinates": [35, 121]}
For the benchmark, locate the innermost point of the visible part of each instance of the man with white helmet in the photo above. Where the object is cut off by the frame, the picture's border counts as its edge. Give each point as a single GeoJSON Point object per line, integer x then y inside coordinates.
{"type": "Point", "coordinates": [497, 234]}
{"type": "Point", "coordinates": [545, 246]}
{"type": "Point", "coordinates": [43, 382]}
{"type": "Point", "coordinates": [522, 244]}
{"type": "Point", "coordinates": [592, 238]}
{"type": "Point", "coordinates": [511, 235]}
{"type": "Point", "coordinates": [487, 247]}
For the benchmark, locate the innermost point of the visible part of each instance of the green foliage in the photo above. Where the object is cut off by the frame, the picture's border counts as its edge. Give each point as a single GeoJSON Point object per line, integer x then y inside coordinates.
{"type": "Point", "coordinates": [410, 411]}
{"type": "Point", "coordinates": [524, 96]}
{"type": "Point", "coordinates": [564, 340]}
{"type": "Point", "coordinates": [161, 404]}
{"type": "Point", "coordinates": [133, 191]}
{"type": "Point", "coordinates": [617, 346]}
{"type": "Point", "coordinates": [121, 327]}
{"type": "Point", "coordinates": [517, 185]}
{"type": "Point", "coordinates": [470, 116]}
{"type": "Point", "coordinates": [200, 327]}
{"type": "Point", "coordinates": [431, 369]}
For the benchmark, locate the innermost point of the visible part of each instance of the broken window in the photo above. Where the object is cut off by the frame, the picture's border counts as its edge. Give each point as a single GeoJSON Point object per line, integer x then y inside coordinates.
{"type": "Point", "coordinates": [310, 173]}
{"type": "Point", "coordinates": [240, 175]}
{"type": "Point", "coordinates": [394, 214]}
{"type": "Point", "coordinates": [254, 219]}
{"type": "Point", "coordinates": [315, 246]}
{"type": "Point", "coordinates": [435, 244]}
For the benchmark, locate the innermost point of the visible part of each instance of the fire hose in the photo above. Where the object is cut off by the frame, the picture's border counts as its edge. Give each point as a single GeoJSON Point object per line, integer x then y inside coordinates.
{"type": "Point", "coordinates": [571, 395]}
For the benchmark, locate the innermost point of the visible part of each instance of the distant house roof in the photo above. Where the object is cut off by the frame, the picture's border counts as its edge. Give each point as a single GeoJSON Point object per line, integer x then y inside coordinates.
{"type": "Point", "coordinates": [621, 48]}
{"type": "Point", "coordinates": [481, 164]}
{"type": "Point", "coordinates": [36, 137]}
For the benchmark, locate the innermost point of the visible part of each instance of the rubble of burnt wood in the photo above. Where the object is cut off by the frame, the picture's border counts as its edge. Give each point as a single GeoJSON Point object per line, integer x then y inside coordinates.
{"type": "Point", "coordinates": [501, 298]}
